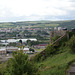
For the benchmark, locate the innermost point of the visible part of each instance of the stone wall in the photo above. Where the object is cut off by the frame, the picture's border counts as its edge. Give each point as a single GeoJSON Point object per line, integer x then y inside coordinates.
{"type": "Point", "coordinates": [58, 33]}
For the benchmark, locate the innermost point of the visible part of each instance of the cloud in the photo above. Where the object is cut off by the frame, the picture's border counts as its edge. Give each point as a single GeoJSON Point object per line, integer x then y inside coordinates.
{"type": "Point", "coordinates": [72, 0]}
{"type": "Point", "coordinates": [15, 10]}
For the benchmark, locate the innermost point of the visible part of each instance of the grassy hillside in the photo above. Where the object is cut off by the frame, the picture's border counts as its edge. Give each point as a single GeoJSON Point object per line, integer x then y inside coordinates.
{"type": "Point", "coordinates": [69, 24]}
{"type": "Point", "coordinates": [57, 64]}
{"type": "Point", "coordinates": [56, 59]}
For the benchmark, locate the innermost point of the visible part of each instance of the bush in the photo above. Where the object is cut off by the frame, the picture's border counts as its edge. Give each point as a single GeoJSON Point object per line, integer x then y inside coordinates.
{"type": "Point", "coordinates": [20, 65]}
{"type": "Point", "coordinates": [50, 50]}
{"type": "Point", "coordinates": [71, 44]}
{"type": "Point", "coordinates": [37, 57]}
{"type": "Point", "coordinates": [55, 38]}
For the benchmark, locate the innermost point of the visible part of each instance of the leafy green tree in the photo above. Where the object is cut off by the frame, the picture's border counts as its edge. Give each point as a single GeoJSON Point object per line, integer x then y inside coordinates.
{"type": "Point", "coordinates": [29, 42]}
{"type": "Point", "coordinates": [44, 33]}
{"type": "Point", "coordinates": [20, 65]}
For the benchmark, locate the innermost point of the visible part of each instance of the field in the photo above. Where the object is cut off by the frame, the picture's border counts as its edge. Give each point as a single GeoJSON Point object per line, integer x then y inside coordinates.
{"type": "Point", "coordinates": [40, 24]}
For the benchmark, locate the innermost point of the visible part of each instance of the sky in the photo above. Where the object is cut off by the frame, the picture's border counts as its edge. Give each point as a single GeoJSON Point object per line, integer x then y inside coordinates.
{"type": "Point", "coordinates": [36, 10]}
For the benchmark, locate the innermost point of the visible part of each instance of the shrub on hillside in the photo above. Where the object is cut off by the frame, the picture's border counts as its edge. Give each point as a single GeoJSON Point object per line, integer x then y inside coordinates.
{"type": "Point", "coordinates": [37, 57]}
{"type": "Point", "coordinates": [71, 34]}
{"type": "Point", "coordinates": [50, 50]}
{"type": "Point", "coordinates": [60, 42]}
{"type": "Point", "coordinates": [55, 38]}
{"type": "Point", "coordinates": [20, 65]}
{"type": "Point", "coordinates": [71, 44]}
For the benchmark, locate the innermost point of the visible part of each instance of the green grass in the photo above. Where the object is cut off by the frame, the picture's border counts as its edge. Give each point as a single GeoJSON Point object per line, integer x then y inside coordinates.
{"type": "Point", "coordinates": [56, 65]}
{"type": "Point", "coordinates": [45, 25]}
{"type": "Point", "coordinates": [7, 25]}
{"type": "Point", "coordinates": [32, 26]}
{"type": "Point", "coordinates": [39, 49]}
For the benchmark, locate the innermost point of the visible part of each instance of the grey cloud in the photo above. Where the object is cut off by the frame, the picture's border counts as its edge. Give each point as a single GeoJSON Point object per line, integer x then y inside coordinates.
{"type": "Point", "coordinates": [69, 16]}
{"type": "Point", "coordinates": [72, 0]}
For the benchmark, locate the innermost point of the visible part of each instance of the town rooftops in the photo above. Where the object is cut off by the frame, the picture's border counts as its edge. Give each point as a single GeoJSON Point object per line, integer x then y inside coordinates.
{"type": "Point", "coordinates": [2, 49]}
{"type": "Point", "coordinates": [12, 48]}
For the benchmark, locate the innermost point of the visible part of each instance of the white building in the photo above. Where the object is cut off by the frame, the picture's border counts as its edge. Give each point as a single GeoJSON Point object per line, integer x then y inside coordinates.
{"type": "Point", "coordinates": [55, 28]}
{"type": "Point", "coordinates": [59, 28]}
{"type": "Point", "coordinates": [26, 50]}
{"type": "Point", "coordinates": [17, 40]}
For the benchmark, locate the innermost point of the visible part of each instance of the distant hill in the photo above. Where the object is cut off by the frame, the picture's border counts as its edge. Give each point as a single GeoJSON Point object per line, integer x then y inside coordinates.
{"type": "Point", "coordinates": [68, 24]}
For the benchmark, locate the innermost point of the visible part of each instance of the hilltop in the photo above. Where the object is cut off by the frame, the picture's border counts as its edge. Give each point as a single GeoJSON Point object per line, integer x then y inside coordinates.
{"type": "Point", "coordinates": [41, 24]}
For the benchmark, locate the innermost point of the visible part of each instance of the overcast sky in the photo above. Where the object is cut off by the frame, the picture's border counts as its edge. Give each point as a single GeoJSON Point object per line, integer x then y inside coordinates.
{"type": "Point", "coordinates": [32, 10]}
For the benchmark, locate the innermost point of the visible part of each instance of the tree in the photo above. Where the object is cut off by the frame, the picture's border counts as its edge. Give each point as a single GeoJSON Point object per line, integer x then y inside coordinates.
{"type": "Point", "coordinates": [31, 50]}
{"type": "Point", "coordinates": [29, 42]}
{"type": "Point", "coordinates": [44, 33]}
{"type": "Point", "coordinates": [20, 65]}
{"type": "Point", "coordinates": [20, 41]}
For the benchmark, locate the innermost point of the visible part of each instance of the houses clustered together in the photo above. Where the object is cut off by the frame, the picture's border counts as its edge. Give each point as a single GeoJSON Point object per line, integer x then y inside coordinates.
{"type": "Point", "coordinates": [19, 31]}
{"type": "Point", "coordinates": [6, 50]}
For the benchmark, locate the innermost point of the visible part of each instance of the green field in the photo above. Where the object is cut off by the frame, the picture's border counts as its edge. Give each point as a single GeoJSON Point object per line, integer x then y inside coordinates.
{"type": "Point", "coordinates": [5, 25]}
{"type": "Point", "coordinates": [40, 24]}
